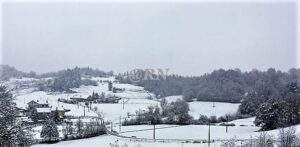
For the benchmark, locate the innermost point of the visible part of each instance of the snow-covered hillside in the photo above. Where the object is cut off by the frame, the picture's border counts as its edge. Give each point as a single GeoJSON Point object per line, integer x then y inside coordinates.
{"type": "Point", "coordinates": [133, 97]}
{"type": "Point", "coordinates": [136, 98]}
{"type": "Point", "coordinates": [114, 111]}
{"type": "Point", "coordinates": [198, 108]}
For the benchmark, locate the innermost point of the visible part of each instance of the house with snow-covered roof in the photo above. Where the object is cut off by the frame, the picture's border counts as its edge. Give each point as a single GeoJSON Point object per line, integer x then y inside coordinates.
{"type": "Point", "coordinates": [37, 104]}
{"type": "Point", "coordinates": [38, 111]}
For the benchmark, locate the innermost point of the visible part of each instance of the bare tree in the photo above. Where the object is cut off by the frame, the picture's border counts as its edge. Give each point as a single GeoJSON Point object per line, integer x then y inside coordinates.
{"type": "Point", "coordinates": [265, 140]}
{"type": "Point", "coordinates": [287, 137]}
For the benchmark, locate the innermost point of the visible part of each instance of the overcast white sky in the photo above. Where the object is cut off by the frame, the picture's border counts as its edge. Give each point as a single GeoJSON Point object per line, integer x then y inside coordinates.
{"type": "Point", "coordinates": [189, 38]}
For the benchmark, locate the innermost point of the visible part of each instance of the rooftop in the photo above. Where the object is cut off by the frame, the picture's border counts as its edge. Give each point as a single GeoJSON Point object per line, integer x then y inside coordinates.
{"type": "Point", "coordinates": [43, 110]}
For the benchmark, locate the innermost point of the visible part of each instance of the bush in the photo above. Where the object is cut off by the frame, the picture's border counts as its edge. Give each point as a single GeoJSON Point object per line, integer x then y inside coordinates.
{"type": "Point", "coordinates": [203, 120]}
{"type": "Point", "coordinates": [227, 124]}
{"type": "Point", "coordinates": [175, 113]}
{"type": "Point", "coordinates": [178, 113]}
{"type": "Point", "coordinates": [213, 119]}
{"type": "Point", "coordinates": [263, 140]}
{"type": "Point", "coordinates": [229, 143]}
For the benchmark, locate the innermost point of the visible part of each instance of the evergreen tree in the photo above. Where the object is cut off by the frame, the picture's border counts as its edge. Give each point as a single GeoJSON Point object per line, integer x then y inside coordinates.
{"type": "Point", "coordinates": [280, 112]}
{"type": "Point", "coordinates": [79, 127]}
{"type": "Point", "coordinates": [163, 105]}
{"type": "Point", "coordinates": [188, 95]}
{"type": "Point", "coordinates": [69, 129]}
{"type": "Point", "coordinates": [203, 120]}
{"type": "Point", "coordinates": [110, 86]}
{"type": "Point", "coordinates": [50, 131]}
{"type": "Point", "coordinates": [12, 132]}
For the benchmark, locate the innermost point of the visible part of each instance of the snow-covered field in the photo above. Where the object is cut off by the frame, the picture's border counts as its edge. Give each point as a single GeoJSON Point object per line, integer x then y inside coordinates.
{"type": "Point", "coordinates": [244, 129]}
{"type": "Point", "coordinates": [106, 140]}
{"type": "Point", "coordinates": [206, 108]}
{"type": "Point", "coordinates": [114, 111]}
{"type": "Point", "coordinates": [195, 131]}
{"type": "Point", "coordinates": [198, 108]}
{"type": "Point", "coordinates": [136, 98]}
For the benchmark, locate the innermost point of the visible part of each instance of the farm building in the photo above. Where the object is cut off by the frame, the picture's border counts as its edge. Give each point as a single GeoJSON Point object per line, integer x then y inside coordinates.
{"type": "Point", "coordinates": [42, 111]}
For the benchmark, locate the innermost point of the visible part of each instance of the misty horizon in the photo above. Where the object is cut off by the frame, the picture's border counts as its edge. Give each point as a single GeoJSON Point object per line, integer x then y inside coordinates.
{"type": "Point", "coordinates": [187, 38]}
{"type": "Point", "coordinates": [166, 71]}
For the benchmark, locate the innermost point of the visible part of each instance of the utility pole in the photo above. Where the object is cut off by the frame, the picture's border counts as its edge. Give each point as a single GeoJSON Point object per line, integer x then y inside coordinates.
{"type": "Point", "coordinates": [226, 124]}
{"type": "Point", "coordinates": [123, 104]}
{"type": "Point", "coordinates": [154, 131]}
{"type": "Point", "coordinates": [120, 124]}
{"type": "Point", "coordinates": [209, 133]}
{"type": "Point", "coordinates": [111, 126]}
{"type": "Point", "coordinates": [226, 128]}
{"type": "Point", "coordinates": [84, 110]}
{"type": "Point", "coordinates": [57, 102]}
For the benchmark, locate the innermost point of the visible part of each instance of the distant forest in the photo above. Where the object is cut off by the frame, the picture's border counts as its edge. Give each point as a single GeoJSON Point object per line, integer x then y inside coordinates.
{"type": "Point", "coordinates": [61, 81]}
{"type": "Point", "coordinates": [7, 72]}
{"type": "Point", "coordinates": [221, 85]}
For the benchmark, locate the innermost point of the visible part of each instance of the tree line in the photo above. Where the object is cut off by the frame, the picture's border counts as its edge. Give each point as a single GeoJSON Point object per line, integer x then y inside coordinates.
{"type": "Point", "coordinates": [220, 85]}
{"type": "Point", "coordinates": [8, 72]}
{"type": "Point", "coordinates": [61, 81]}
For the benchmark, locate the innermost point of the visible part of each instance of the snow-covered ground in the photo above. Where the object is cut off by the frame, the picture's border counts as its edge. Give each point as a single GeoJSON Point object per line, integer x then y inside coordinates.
{"type": "Point", "coordinates": [244, 129]}
{"type": "Point", "coordinates": [104, 79]}
{"type": "Point", "coordinates": [198, 108]}
{"type": "Point", "coordinates": [106, 140]}
{"type": "Point", "coordinates": [114, 111]}
{"type": "Point", "coordinates": [22, 83]}
{"type": "Point", "coordinates": [173, 98]}
{"type": "Point", "coordinates": [52, 100]}
{"type": "Point", "coordinates": [129, 87]}
{"type": "Point", "coordinates": [136, 98]}
{"type": "Point", "coordinates": [212, 109]}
